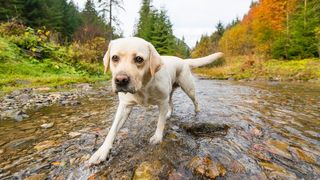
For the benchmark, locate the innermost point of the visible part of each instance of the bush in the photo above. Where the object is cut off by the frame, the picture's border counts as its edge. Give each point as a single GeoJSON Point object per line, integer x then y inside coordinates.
{"type": "Point", "coordinates": [91, 52]}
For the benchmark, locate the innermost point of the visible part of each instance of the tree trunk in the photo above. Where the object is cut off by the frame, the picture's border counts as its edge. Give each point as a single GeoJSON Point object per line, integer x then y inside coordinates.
{"type": "Point", "coordinates": [305, 15]}
{"type": "Point", "coordinates": [110, 20]}
{"type": "Point", "coordinates": [287, 33]}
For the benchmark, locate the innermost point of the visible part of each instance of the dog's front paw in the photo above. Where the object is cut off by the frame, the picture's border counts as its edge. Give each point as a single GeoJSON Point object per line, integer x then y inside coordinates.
{"type": "Point", "coordinates": [156, 138]}
{"type": "Point", "coordinates": [99, 156]}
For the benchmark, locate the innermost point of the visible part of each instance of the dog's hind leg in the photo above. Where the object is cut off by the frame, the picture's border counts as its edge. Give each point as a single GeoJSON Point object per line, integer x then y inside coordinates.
{"type": "Point", "coordinates": [186, 83]}
{"type": "Point", "coordinates": [101, 154]}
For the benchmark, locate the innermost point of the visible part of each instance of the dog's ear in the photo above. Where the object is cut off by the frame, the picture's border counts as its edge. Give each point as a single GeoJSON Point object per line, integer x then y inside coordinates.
{"type": "Point", "coordinates": [106, 58]}
{"type": "Point", "coordinates": [155, 60]}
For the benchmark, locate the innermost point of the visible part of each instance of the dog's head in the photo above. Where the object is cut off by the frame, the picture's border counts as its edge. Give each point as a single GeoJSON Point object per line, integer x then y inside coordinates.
{"type": "Point", "coordinates": [133, 61]}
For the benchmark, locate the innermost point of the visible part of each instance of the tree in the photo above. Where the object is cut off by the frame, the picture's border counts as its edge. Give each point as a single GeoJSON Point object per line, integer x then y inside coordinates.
{"type": "Point", "coordinates": [182, 50]}
{"type": "Point", "coordinates": [106, 7]}
{"type": "Point", "coordinates": [92, 24]}
{"type": "Point", "coordinates": [10, 9]}
{"type": "Point", "coordinates": [155, 27]}
{"type": "Point", "coordinates": [143, 28]}
{"type": "Point", "coordinates": [220, 29]}
{"type": "Point", "coordinates": [71, 21]}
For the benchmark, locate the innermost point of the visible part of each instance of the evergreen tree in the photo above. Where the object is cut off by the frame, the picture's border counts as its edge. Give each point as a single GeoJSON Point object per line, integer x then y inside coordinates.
{"type": "Point", "coordinates": [92, 24]}
{"type": "Point", "coordinates": [71, 20]}
{"type": "Point", "coordinates": [10, 9]}
{"type": "Point", "coordinates": [220, 29]}
{"type": "Point", "coordinates": [161, 35]}
{"type": "Point", "coordinates": [144, 25]}
{"type": "Point", "coordinates": [300, 41]}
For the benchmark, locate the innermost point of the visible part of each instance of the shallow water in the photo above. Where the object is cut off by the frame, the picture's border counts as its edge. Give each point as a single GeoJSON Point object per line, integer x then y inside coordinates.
{"type": "Point", "coordinates": [246, 129]}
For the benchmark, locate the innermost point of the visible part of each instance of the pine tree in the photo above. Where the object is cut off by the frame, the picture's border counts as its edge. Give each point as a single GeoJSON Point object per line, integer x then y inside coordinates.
{"type": "Point", "coordinates": [71, 20]}
{"type": "Point", "coordinates": [10, 9]}
{"type": "Point", "coordinates": [161, 35]}
{"type": "Point", "coordinates": [144, 25]}
{"type": "Point", "coordinates": [303, 42]}
{"type": "Point", "coordinates": [92, 24]}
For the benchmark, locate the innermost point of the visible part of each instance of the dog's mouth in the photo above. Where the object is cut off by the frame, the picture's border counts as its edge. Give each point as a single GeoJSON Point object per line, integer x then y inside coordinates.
{"type": "Point", "coordinates": [125, 90]}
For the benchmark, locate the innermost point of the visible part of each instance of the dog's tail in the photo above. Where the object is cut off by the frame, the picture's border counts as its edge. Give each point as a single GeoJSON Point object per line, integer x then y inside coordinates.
{"type": "Point", "coordinates": [198, 62]}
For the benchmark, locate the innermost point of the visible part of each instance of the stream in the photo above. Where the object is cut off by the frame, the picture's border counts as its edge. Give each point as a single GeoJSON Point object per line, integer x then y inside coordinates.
{"type": "Point", "coordinates": [245, 130]}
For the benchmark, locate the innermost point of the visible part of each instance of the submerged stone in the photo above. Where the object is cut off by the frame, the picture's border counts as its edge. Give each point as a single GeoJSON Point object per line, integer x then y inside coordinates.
{"type": "Point", "coordinates": [45, 145]}
{"type": "Point", "coordinates": [207, 129]}
{"type": "Point", "coordinates": [303, 155]}
{"type": "Point", "coordinates": [47, 125]}
{"type": "Point", "coordinates": [278, 147]}
{"type": "Point", "coordinates": [147, 170]}
{"type": "Point", "coordinates": [204, 166]}
{"type": "Point", "coordinates": [275, 171]}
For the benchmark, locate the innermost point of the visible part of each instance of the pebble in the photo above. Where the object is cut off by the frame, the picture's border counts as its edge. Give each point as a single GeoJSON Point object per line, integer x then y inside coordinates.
{"type": "Point", "coordinates": [147, 170]}
{"type": "Point", "coordinates": [206, 167]}
{"type": "Point", "coordinates": [46, 144]}
{"type": "Point", "coordinates": [47, 125]}
{"type": "Point", "coordinates": [74, 134]}
{"type": "Point", "coordinates": [36, 177]}
{"type": "Point", "coordinates": [278, 147]}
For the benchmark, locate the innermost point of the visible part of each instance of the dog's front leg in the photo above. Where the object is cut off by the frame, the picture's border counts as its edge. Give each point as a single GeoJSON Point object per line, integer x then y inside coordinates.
{"type": "Point", "coordinates": [102, 153]}
{"type": "Point", "coordinates": [163, 110]}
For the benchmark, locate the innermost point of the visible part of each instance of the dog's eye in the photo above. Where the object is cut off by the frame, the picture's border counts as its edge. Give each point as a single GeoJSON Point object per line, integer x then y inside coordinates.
{"type": "Point", "coordinates": [115, 58]}
{"type": "Point", "coordinates": [138, 59]}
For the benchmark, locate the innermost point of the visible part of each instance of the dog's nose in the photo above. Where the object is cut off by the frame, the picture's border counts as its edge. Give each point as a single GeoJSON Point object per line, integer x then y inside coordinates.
{"type": "Point", "coordinates": [122, 80]}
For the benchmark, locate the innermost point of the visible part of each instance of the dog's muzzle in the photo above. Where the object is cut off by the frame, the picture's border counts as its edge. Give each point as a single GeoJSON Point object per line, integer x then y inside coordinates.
{"type": "Point", "coordinates": [122, 82]}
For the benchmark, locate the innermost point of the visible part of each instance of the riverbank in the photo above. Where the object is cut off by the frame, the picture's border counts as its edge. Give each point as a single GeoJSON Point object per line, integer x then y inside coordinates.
{"type": "Point", "coordinates": [17, 104]}
{"type": "Point", "coordinates": [19, 70]}
{"type": "Point", "coordinates": [249, 68]}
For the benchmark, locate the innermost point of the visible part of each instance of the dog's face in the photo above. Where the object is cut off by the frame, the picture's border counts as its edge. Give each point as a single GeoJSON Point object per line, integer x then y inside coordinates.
{"type": "Point", "coordinates": [133, 61]}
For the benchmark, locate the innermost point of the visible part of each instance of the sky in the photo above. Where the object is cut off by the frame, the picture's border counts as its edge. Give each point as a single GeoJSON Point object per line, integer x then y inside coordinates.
{"type": "Point", "coordinates": [190, 18]}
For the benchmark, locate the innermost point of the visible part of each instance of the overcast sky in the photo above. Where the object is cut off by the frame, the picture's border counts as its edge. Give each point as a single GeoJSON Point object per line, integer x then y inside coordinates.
{"type": "Point", "coordinates": [190, 18]}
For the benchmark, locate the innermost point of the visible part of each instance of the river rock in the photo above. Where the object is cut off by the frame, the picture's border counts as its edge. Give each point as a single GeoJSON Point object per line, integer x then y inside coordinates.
{"type": "Point", "coordinates": [74, 134]}
{"type": "Point", "coordinates": [47, 125]}
{"type": "Point", "coordinates": [23, 98]}
{"type": "Point", "coordinates": [204, 166]}
{"type": "Point", "coordinates": [42, 89]}
{"type": "Point", "coordinates": [237, 167]}
{"type": "Point", "coordinates": [1, 151]}
{"type": "Point", "coordinates": [303, 155]}
{"type": "Point", "coordinates": [206, 129]}
{"type": "Point", "coordinates": [46, 144]}
{"type": "Point", "coordinates": [275, 171]}
{"type": "Point", "coordinates": [147, 170]}
{"type": "Point", "coordinates": [20, 142]}
{"type": "Point", "coordinates": [278, 147]}
{"type": "Point", "coordinates": [36, 177]}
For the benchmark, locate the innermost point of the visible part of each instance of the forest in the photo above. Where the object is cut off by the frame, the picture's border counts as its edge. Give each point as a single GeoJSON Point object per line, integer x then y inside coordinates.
{"type": "Point", "coordinates": [286, 31]}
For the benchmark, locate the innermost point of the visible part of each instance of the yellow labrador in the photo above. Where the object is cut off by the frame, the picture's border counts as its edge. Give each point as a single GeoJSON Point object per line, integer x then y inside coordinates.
{"type": "Point", "coordinates": [141, 76]}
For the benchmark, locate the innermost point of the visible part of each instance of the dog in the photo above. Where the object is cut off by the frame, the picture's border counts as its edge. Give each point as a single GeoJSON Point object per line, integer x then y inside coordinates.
{"type": "Point", "coordinates": [140, 76]}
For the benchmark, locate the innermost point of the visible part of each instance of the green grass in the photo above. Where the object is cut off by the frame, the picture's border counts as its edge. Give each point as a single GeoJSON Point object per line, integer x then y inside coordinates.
{"type": "Point", "coordinates": [19, 70]}
{"type": "Point", "coordinates": [245, 67]}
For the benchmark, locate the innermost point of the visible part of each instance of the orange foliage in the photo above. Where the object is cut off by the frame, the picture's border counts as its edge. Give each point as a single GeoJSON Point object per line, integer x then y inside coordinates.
{"type": "Point", "coordinates": [256, 32]}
